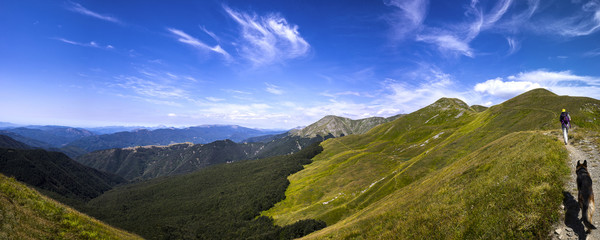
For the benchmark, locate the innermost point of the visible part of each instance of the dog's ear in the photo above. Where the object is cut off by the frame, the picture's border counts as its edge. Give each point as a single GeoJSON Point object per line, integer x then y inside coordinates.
{"type": "Point", "coordinates": [578, 163]}
{"type": "Point", "coordinates": [585, 163]}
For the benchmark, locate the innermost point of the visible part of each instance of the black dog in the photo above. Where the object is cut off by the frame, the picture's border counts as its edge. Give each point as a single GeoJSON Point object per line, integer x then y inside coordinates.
{"type": "Point", "coordinates": [585, 195]}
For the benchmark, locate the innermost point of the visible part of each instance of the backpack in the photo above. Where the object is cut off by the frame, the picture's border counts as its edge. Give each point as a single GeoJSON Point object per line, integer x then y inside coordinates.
{"type": "Point", "coordinates": [564, 118]}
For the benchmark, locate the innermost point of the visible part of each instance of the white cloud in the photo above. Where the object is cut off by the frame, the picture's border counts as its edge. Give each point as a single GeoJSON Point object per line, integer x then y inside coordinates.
{"type": "Point", "coordinates": [214, 99]}
{"type": "Point", "coordinates": [583, 23]}
{"type": "Point", "coordinates": [345, 93]}
{"type": "Point", "coordinates": [583, 20]}
{"type": "Point", "coordinates": [399, 96]}
{"type": "Point", "coordinates": [454, 38]}
{"type": "Point", "coordinates": [149, 88]}
{"type": "Point", "coordinates": [592, 53]}
{"type": "Point", "coordinates": [498, 87]}
{"type": "Point", "coordinates": [274, 89]}
{"type": "Point", "coordinates": [187, 39]}
{"type": "Point", "coordinates": [447, 43]}
{"type": "Point", "coordinates": [551, 78]}
{"type": "Point", "coordinates": [562, 82]}
{"type": "Point", "coordinates": [76, 7]}
{"type": "Point", "coordinates": [513, 45]}
{"type": "Point", "coordinates": [90, 44]}
{"type": "Point", "coordinates": [268, 39]}
{"type": "Point", "coordinates": [172, 115]}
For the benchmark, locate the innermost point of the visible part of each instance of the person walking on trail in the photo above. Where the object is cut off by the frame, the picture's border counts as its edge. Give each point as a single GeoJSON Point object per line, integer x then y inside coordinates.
{"type": "Point", "coordinates": [565, 121]}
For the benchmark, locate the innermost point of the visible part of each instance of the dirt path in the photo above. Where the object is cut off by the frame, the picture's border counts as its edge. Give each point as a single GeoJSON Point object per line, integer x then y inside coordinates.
{"type": "Point", "coordinates": [570, 226]}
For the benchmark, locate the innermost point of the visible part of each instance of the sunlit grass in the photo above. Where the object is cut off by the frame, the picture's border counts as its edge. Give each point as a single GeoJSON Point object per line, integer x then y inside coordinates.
{"type": "Point", "coordinates": [509, 189]}
{"type": "Point", "coordinates": [418, 176]}
{"type": "Point", "coordinates": [26, 214]}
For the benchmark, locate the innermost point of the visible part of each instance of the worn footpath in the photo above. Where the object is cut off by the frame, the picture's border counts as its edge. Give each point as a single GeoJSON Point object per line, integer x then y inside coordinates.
{"type": "Point", "coordinates": [570, 225]}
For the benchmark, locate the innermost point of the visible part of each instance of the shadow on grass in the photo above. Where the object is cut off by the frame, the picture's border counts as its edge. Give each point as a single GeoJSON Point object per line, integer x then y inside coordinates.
{"type": "Point", "coordinates": [572, 215]}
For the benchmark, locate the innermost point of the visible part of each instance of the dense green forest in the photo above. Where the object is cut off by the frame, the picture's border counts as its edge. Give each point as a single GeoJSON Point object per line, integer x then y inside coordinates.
{"type": "Point", "coordinates": [219, 202]}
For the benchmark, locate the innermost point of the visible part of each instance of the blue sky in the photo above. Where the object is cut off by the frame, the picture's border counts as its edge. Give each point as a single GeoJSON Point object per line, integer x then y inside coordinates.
{"type": "Point", "coordinates": [282, 64]}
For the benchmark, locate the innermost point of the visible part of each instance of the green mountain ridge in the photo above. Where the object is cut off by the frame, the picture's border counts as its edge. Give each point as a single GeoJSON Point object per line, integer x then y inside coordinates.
{"type": "Point", "coordinates": [340, 126]}
{"type": "Point", "coordinates": [147, 162]}
{"type": "Point", "coordinates": [356, 183]}
{"type": "Point", "coordinates": [53, 172]}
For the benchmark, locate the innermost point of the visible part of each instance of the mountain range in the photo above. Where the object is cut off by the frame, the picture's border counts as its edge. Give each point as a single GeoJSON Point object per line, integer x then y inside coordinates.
{"type": "Point", "coordinates": [139, 163]}
{"type": "Point", "coordinates": [77, 141]}
{"type": "Point", "coordinates": [446, 171]}
{"type": "Point", "coordinates": [143, 137]}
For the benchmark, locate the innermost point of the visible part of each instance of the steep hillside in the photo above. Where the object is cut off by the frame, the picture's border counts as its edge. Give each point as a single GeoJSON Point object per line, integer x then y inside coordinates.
{"type": "Point", "coordinates": [30, 142]}
{"type": "Point", "coordinates": [146, 162]}
{"type": "Point", "coordinates": [359, 180]}
{"type": "Point", "coordinates": [26, 214]}
{"type": "Point", "coordinates": [8, 142]}
{"type": "Point", "coordinates": [56, 173]}
{"type": "Point", "coordinates": [143, 137]}
{"type": "Point", "coordinates": [218, 202]}
{"type": "Point", "coordinates": [139, 163]}
{"type": "Point", "coordinates": [340, 126]}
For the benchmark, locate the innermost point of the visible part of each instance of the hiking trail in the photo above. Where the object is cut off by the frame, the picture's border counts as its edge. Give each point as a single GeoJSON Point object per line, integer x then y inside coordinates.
{"type": "Point", "coordinates": [570, 225]}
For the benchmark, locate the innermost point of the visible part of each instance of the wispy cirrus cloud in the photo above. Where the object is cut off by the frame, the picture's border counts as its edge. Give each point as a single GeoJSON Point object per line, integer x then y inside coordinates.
{"type": "Point", "coordinates": [150, 88]}
{"type": "Point", "coordinates": [592, 53]}
{"type": "Point", "coordinates": [194, 42]}
{"type": "Point", "coordinates": [78, 8]}
{"type": "Point", "coordinates": [268, 39]}
{"type": "Point", "coordinates": [408, 16]}
{"type": "Point", "coordinates": [584, 22]}
{"type": "Point", "coordinates": [455, 38]}
{"type": "Point", "coordinates": [90, 44]}
{"type": "Point", "coordinates": [274, 89]}
{"type": "Point", "coordinates": [513, 45]}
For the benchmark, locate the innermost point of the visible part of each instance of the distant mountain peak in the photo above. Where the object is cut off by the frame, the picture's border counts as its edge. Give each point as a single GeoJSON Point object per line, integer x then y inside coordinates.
{"type": "Point", "coordinates": [449, 103]}
{"type": "Point", "coordinates": [538, 92]}
{"type": "Point", "coordinates": [339, 126]}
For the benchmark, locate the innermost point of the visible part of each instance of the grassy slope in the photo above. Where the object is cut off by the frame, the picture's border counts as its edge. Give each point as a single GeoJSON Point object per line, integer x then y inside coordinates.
{"type": "Point", "coordinates": [361, 179]}
{"type": "Point", "coordinates": [26, 214]}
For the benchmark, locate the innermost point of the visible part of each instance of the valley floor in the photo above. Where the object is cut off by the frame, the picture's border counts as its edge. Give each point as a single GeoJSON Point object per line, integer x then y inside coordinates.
{"type": "Point", "coordinates": [583, 146]}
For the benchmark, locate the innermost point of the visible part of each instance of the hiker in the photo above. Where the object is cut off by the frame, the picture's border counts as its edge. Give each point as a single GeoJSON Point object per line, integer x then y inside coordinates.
{"type": "Point", "coordinates": [565, 121]}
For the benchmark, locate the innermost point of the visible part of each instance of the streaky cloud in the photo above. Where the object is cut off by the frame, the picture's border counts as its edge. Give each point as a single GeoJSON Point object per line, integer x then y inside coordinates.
{"type": "Point", "coordinates": [78, 8]}
{"type": "Point", "coordinates": [194, 42]}
{"type": "Point", "coordinates": [274, 89]}
{"type": "Point", "coordinates": [92, 44]}
{"type": "Point", "coordinates": [513, 45]}
{"type": "Point", "coordinates": [447, 43]}
{"type": "Point", "coordinates": [407, 18]}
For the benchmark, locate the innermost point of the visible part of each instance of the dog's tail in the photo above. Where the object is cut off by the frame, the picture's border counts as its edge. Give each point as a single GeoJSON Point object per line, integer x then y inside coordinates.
{"type": "Point", "coordinates": [588, 211]}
